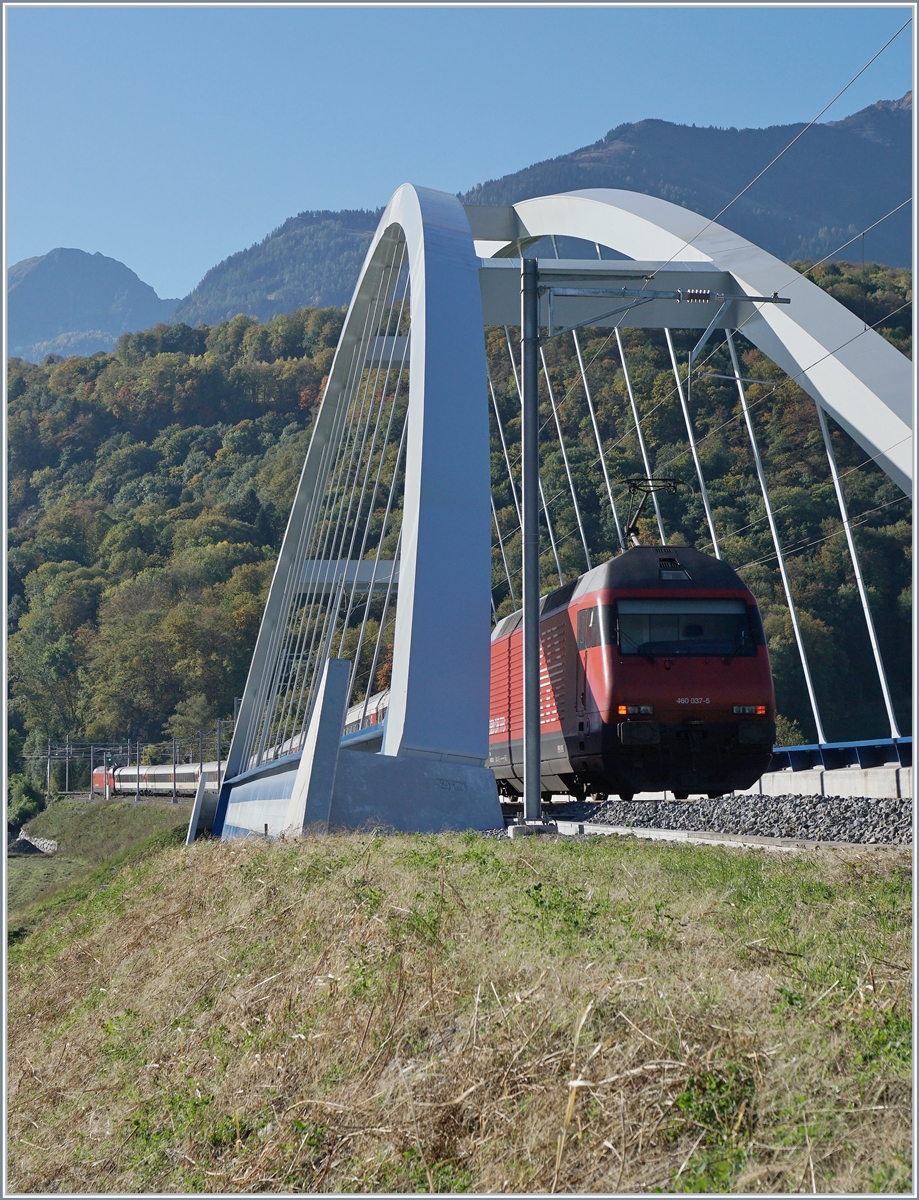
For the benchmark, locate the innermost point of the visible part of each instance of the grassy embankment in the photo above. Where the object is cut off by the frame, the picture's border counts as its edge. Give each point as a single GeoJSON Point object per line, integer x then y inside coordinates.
{"type": "Point", "coordinates": [95, 839]}
{"type": "Point", "coordinates": [457, 1013]}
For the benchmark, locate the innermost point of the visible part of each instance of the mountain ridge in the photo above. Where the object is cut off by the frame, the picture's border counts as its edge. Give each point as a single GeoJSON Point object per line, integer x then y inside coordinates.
{"type": "Point", "coordinates": [861, 164]}
{"type": "Point", "coordinates": [71, 300]}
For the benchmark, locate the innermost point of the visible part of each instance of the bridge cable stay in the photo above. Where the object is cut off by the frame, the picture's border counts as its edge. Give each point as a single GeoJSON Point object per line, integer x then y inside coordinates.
{"type": "Point", "coordinates": [862, 592]}
{"type": "Point", "coordinates": [596, 429]}
{"type": "Point", "coordinates": [494, 511]}
{"type": "Point", "coordinates": [338, 518]}
{"type": "Point", "coordinates": [767, 500]}
{"type": "Point", "coordinates": [561, 442]}
{"type": "Point", "coordinates": [321, 646]}
{"type": "Point", "coordinates": [692, 443]}
{"type": "Point", "coordinates": [383, 620]}
{"type": "Point", "coordinates": [542, 494]}
{"type": "Point", "coordinates": [328, 564]}
{"type": "Point", "coordinates": [635, 415]}
{"type": "Point", "coordinates": [397, 468]}
{"type": "Point", "coordinates": [776, 387]}
{"type": "Point", "coordinates": [333, 610]}
{"type": "Point", "coordinates": [770, 517]}
{"type": "Point", "coordinates": [393, 487]}
{"type": "Point", "coordinates": [380, 463]}
{"type": "Point", "coordinates": [510, 473]}
{"type": "Point", "coordinates": [275, 677]}
{"type": "Point", "coordinates": [551, 533]}
{"type": "Point", "coordinates": [641, 440]}
{"type": "Point", "coordinates": [786, 583]}
{"type": "Point", "coordinates": [507, 572]}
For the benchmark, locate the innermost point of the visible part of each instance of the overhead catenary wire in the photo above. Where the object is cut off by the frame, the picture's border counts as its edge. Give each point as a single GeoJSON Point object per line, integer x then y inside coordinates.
{"type": "Point", "coordinates": [751, 405]}
{"type": "Point", "coordinates": [867, 229]}
{"type": "Point", "coordinates": [802, 546]}
{"type": "Point", "coordinates": [814, 487]}
{"type": "Point", "coordinates": [672, 392]}
{"type": "Point", "coordinates": [784, 383]}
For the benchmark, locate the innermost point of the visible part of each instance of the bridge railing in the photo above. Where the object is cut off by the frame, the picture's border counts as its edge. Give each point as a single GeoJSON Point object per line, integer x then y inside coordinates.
{"type": "Point", "coordinates": [835, 755]}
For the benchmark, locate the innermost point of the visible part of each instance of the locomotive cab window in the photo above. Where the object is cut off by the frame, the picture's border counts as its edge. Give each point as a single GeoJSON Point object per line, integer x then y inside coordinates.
{"type": "Point", "coordinates": [684, 627]}
{"type": "Point", "coordinates": [589, 628]}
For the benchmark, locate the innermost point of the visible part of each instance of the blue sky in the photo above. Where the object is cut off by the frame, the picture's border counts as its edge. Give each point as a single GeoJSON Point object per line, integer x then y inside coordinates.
{"type": "Point", "coordinates": [171, 137]}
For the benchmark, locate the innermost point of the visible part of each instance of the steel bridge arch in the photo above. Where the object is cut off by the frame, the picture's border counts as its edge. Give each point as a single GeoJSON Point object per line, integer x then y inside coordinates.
{"type": "Point", "coordinates": [438, 705]}
{"type": "Point", "coordinates": [853, 373]}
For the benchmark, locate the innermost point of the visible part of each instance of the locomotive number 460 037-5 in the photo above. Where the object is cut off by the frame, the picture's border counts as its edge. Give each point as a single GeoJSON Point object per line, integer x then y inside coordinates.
{"type": "Point", "coordinates": [693, 700]}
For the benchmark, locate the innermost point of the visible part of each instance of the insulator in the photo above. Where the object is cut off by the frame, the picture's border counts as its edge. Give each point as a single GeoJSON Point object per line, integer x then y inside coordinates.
{"type": "Point", "coordinates": [697, 295]}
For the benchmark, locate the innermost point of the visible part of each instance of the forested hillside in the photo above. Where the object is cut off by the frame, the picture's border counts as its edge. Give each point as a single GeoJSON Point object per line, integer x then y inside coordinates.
{"type": "Point", "coordinates": [150, 487]}
{"type": "Point", "coordinates": [838, 179]}
{"type": "Point", "coordinates": [312, 259]}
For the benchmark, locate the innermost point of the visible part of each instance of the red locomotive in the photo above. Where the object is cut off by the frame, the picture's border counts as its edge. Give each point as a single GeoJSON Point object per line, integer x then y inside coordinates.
{"type": "Point", "coordinates": [654, 677]}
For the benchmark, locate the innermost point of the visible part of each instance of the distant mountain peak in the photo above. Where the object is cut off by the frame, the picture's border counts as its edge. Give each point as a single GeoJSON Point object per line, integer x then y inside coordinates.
{"type": "Point", "coordinates": [905, 103]}
{"type": "Point", "coordinates": [69, 300]}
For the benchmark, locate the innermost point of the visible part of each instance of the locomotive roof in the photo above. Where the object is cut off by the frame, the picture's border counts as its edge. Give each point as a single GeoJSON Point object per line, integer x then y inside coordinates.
{"type": "Point", "coordinates": [648, 566]}
{"type": "Point", "coordinates": [666, 567]}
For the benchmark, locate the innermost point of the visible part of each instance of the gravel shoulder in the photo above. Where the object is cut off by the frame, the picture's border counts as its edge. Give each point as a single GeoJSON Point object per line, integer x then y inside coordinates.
{"type": "Point", "coordinates": [810, 818]}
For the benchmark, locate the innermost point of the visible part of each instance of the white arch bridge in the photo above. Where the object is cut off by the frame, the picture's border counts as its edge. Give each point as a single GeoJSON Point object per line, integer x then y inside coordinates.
{"type": "Point", "coordinates": [384, 578]}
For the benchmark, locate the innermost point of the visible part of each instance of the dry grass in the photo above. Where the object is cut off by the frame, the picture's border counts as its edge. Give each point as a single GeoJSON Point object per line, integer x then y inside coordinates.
{"type": "Point", "coordinates": [460, 1014]}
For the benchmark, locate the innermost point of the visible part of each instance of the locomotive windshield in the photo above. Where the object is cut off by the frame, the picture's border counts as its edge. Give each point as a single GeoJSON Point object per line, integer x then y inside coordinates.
{"type": "Point", "coordinates": [678, 627]}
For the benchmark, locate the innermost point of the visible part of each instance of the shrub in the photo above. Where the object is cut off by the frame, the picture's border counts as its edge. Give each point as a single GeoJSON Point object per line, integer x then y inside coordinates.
{"type": "Point", "coordinates": [25, 802]}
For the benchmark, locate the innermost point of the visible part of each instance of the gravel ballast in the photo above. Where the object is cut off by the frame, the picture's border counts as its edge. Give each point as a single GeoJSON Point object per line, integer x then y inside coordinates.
{"type": "Point", "coordinates": [810, 818]}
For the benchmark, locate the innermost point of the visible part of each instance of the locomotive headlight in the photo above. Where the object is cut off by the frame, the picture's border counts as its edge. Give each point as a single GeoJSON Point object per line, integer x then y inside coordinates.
{"type": "Point", "coordinates": [749, 710]}
{"type": "Point", "coordinates": [635, 710]}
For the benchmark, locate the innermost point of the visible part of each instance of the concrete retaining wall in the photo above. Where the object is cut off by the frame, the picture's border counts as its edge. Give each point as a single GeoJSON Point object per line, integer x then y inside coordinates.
{"type": "Point", "coordinates": [873, 783]}
{"type": "Point", "coordinates": [876, 783]}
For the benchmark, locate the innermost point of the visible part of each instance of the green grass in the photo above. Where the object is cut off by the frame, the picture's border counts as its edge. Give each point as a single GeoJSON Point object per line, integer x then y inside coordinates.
{"type": "Point", "coordinates": [33, 876]}
{"type": "Point", "coordinates": [408, 1014]}
{"type": "Point", "coordinates": [95, 838]}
